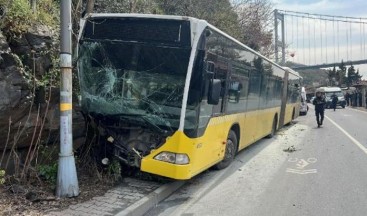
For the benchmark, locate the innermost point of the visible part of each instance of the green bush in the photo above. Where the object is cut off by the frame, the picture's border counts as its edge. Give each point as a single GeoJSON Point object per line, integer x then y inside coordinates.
{"type": "Point", "coordinates": [48, 172]}
{"type": "Point", "coordinates": [19, 16]}
{"type": "Point", "coordinates": [2, 174]}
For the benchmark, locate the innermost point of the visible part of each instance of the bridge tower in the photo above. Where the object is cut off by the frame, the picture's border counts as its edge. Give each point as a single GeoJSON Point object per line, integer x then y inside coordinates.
{"type": "Point", "coordinates": [279, 17]}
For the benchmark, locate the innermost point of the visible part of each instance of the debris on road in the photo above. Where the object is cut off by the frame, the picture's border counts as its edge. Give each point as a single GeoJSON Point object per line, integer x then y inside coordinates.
{"type": "Point", "coordinates": [290, 149]}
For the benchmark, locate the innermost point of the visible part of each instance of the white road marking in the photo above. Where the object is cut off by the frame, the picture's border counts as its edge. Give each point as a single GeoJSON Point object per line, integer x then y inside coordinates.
{"type": "Point", "coordinates": [292, 160]}
{"type": "Point", "coordinates": [364, 149]}
{"type": "Point", "coordinates": [301, 172]}
{"type": "Point", "coordinates": [300, 165]}
{"type": "Point", "coordinates": [311, 160]}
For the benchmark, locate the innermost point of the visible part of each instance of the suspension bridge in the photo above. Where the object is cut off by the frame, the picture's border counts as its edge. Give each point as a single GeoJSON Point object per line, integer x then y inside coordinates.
{"type": "Point", "coordinates": [312, 41]}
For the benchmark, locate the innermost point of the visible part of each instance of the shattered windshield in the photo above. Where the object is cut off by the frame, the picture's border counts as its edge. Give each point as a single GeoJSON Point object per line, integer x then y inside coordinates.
{"type": "Point", "coordinates": [133, 79]}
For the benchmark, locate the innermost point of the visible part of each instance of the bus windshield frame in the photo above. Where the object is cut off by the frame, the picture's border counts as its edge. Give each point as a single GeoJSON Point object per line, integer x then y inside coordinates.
{"type": "Point", "coordinates": [143, 76]}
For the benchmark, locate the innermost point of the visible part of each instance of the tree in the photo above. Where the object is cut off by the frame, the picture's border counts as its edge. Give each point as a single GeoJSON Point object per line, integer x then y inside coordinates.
{"type": "Point", "coordinates": [256, 22]}
{"type": "Point", "coordinates": [352, 76]}
{"type": "Point", "coordinates": [341, 73]}
{"type": "Point", "coordinates": [90, 6]}
{"type": "Point", "coordinates": [332, 75]}
{"type": "Point", "coordinates": [125, 6]}
{"type": "Point", "coordinates": [219, 13]}
{"type": "Point", "coordinates": [249, 21]}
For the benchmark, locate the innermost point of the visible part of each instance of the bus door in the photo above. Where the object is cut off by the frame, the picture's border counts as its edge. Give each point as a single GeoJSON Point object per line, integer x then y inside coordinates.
{"type": "Point", "coordinates": [221, 72]}
{"type": "Point", "coordinates": [210, 142]}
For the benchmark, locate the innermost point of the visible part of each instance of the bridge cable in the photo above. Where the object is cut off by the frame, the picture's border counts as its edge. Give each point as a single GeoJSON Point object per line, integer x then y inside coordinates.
{"type": "Point", "coordinates": [347, 42]}
{"type": "Point", "coordinates": [309, 40]}
{"type": "Point", "coordinates": [321, 37]}
{"type": "Point", "coordinates": [360, 38]}
{"type": "Point", "coordinates": [303, 43]}
{"type": "Point", "coordinates": [292, 18]}
{"type": "Point", "coordinates": [351, 41]}
{"type": "Point", "coordinates": [326, 43]}
{"type": "Point", "coordinates": [337, 23]}
{"type": "Point", "coordinates": [286, 35]}
{"type": "Point", "coordinates": [364, 42]}
{"type": "Point", "coordinates": [314, 14]}
{"type": "Point", "coordinates": [314, 42]}
{"type": "Point", "coordinates": [334, 39]}
{"type": "Point", "coordinates": [324, 40]}
{"type": "Point", "coordinates": [329, 19]}
{"type": "Point", "coordinates": [297, 32]}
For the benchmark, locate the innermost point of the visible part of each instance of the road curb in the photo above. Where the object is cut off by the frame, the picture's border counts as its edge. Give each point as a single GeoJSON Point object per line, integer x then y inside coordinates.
{"type": "Point", "coordinates": [148, 202]}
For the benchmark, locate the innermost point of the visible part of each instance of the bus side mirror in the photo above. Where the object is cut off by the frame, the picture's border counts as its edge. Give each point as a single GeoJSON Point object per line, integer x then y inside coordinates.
{"type": "Point", "coordinates": [214, 91]}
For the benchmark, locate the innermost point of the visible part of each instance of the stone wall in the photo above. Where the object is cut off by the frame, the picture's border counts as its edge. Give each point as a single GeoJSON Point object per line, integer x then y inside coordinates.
{"type": "Point", "coordinates": [20, 59]}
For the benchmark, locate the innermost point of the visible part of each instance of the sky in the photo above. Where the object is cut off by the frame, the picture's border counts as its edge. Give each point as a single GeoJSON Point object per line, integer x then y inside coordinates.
{"type": "Point", "coordinates": [310, 46]}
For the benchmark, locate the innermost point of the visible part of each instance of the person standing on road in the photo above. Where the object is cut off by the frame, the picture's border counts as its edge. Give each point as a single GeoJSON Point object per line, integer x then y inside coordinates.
{"type": "Point", "coordinates": [319, 103]}
{"type": "Point", "coordinates": [360, 98]}
{"type": "Point", "coordinates": [334, 101]}
{"type": "Point", "coordinates": [347, 98]}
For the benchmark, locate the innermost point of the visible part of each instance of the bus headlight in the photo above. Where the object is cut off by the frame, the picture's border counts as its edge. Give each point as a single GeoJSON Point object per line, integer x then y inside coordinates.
{"type": "Point", "coordinates": [170, 157]}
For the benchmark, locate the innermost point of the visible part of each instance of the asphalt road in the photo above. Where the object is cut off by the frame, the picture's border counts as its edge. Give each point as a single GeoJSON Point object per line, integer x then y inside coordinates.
{"type": "Point", "coordinates": [325, 175]}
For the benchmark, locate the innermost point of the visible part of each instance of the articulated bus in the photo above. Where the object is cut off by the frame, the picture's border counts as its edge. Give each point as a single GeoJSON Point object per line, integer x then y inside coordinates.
{"type": "Point", "coordinates": [174, 96]}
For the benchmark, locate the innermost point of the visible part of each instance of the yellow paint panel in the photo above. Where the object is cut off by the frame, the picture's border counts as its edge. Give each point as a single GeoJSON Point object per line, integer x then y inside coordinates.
{"type": "Point", "coordinates": [289, 112]}
{"type": "Point", "coordinates": [207, 150]}
{"type": "Point", "coordinates": [66, 106]}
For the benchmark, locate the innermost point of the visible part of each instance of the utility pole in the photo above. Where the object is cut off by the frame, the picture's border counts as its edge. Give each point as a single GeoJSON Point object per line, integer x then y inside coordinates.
{"type": "Point", "coordinates": [276, 36]}
{"type": "Point", "coordinates": [67, 181]}
{"type": "Point", "coordinates": [284, 98]}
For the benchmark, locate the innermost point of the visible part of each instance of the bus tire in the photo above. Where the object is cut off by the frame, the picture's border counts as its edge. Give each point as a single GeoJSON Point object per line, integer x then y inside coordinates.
{"type": "Point", "coordinates": [231, 147]}
{"type": "Point", "coordinates": [273, 128]}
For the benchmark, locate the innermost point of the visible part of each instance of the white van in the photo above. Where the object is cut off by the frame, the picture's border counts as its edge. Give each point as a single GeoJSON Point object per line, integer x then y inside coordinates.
{"type": "Point", "coordinates": [304, 107]}
{"type": "Point", "coordinates": [329, 91]}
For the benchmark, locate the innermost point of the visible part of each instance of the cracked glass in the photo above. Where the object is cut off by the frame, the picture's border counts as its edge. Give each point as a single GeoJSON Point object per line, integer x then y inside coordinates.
{"type": "Point", "coordinates": [133, 79]}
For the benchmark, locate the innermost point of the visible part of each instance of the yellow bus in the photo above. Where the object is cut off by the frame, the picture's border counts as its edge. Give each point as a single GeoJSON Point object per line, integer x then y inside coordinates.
{"type": "Point", "coordinates": [173, 95]}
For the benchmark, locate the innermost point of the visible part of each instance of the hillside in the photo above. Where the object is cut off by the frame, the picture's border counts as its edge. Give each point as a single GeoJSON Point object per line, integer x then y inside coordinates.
{"type": "Point", "coordinates": [311, 77]}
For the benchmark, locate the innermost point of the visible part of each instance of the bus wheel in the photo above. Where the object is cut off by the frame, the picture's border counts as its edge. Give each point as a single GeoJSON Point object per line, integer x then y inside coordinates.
{"type": "Point", "coordinates": [273, 129]}
{"type": "Point", "coordinates": [230, 153]}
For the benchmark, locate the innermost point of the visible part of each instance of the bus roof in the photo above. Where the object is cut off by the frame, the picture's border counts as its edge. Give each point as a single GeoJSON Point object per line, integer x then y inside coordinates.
{"type": "Point", "coordinates": [153, 16]}
{"type": "Point", "coordinates": [328, 89]}
{"type": "Point", "coordinates": [291, 71]}
{"type": "Point", "coordinates": [191, 19]}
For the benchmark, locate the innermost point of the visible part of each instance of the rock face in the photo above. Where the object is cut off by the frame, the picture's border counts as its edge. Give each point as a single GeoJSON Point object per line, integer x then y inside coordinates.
{"type": "Point", "coordinates": [12, 82]}
{"type": "Point", "coordinates": [25, 112]}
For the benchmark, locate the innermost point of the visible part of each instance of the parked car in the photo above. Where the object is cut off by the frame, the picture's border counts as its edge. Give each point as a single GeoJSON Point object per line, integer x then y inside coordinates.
{"type": "Point", "coordinates": [304, 106]}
